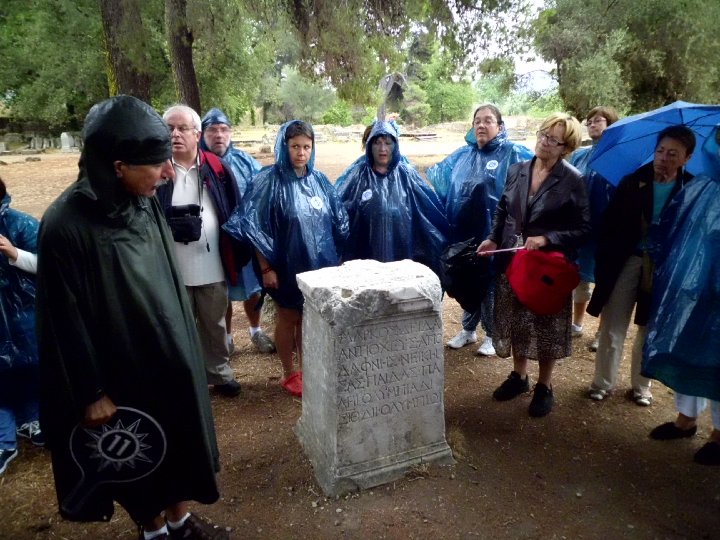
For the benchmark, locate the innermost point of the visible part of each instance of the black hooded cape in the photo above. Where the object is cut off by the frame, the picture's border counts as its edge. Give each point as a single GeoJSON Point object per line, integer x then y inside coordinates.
{"type": "Point", "coordinates": [114, 319]}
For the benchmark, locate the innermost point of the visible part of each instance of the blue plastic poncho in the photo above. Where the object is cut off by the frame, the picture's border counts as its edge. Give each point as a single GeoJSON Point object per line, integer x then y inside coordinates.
{"type": "Point", "coordinates": [18, 345]}
{"type": "Point", "coordinates": [682, 349]}
{"type": "Point", "coordinates": [297, 223]}
{"type": "Point", "coordinates": [243, 165]}
{"type": "Point", "coordinates": [393, 216]}
{"type": "Point", "coordinates": [599, 193]}
{"type": "Point", "coordinates": [470, 181]}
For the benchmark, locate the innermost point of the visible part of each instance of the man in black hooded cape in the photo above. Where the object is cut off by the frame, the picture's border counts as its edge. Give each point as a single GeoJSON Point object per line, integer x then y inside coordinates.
{"type": "Point", "coordinates": [115, 329]}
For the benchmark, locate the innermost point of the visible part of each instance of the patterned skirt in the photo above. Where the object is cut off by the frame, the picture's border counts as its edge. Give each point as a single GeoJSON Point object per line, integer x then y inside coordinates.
{"type": "Point", "coordinates": [521, 332]}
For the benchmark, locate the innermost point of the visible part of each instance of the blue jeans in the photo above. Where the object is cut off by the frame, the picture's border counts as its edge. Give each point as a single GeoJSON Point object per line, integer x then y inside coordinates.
{"type": "Point", "coordinates": [485, 315]}
{"type": "Point", "coordinates": [19, 402]}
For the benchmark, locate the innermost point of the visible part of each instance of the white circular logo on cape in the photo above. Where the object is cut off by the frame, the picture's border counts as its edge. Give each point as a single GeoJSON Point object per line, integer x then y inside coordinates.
{"type": "Point", "coordinates": [492, 164]}
{"type": "Point", "coordinates": [316, 202]}
{"type": "Point", "coordinates": [366, 195]}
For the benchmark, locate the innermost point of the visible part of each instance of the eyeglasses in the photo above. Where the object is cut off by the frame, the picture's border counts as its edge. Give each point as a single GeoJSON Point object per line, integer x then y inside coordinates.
{"type": "Point", "coordinates": [214, 130]}
{"type": "Point", "coordinates": [488, 121]}
{"type": "Point", "coordinates": [552, 141]}
{"type": "Point", "coordinates": [181, 129]}
{"type": "Point", "coordinates": [596, 120]}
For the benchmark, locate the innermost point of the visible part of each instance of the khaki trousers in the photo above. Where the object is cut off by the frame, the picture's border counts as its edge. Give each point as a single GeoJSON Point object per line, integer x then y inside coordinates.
{"type": "Point", "coordinates": [614, 323]}
{"type": "Point", "coordinates": [209, 304]}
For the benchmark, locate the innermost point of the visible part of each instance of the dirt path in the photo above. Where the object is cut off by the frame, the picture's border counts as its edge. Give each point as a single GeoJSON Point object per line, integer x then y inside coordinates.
{"type": "Point", "coordinates": [588, 470]}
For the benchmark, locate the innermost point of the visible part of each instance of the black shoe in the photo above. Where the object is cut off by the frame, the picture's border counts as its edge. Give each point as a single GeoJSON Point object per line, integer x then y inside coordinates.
{"type": "Point", "coordinates": [196, 528]}
{"type": "Point", "coordinates": [229, 389]}
{"type": "Point", "coordinates": [162, 536]}
{"type": "Point", "coordinates": [709, 454]}
{"type": "Point", "coordinates": [669, 432]}
{"type": "Point", "coordinates": [513, 386]}
{"type": "Point", "coordinates": [6, 456]}
{"type": "Point", "coordinates": [32, 431]}
{"type": "Point", "coordinates": [542, 401]}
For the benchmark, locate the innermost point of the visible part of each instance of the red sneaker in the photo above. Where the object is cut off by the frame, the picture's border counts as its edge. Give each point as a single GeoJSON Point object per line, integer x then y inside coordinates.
{"type": "Point", "coordinates": [293, 384]}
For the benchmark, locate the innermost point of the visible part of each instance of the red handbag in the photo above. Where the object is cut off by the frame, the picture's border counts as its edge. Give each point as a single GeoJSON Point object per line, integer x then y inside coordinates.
{"type": "Point", "coordinates": [542, 280]}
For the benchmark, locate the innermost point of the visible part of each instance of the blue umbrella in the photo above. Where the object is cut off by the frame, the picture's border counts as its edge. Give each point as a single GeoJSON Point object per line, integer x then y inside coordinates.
{"type": "Point", "coordinates": [630, 143]}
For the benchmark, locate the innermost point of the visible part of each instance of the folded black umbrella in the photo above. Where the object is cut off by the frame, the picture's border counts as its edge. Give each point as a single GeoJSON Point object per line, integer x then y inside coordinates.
{"type": "Point", "coordinates": [466, 277]}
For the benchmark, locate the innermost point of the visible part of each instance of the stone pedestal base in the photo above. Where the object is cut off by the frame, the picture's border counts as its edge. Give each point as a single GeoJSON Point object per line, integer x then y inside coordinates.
{"type": "Point", "coordinates": [373, 373]}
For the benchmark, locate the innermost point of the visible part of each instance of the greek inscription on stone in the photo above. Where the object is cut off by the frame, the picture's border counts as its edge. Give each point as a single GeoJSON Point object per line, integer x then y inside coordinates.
{"type": "Point", "coordinates": [389, 369]}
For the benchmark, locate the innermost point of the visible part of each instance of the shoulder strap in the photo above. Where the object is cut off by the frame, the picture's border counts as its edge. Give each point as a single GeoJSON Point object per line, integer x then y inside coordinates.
{"type": "Point", "coordinates": [215, 164]}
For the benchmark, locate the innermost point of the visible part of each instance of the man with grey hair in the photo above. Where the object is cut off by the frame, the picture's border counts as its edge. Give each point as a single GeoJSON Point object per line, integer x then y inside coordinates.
{"type": "Point", "coordinates": [197, 203]}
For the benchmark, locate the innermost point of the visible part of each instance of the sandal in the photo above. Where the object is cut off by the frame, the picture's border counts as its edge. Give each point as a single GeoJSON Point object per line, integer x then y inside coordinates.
{"type": "Point", "coordinates": [639, 399]}
{"type": "Point", "coordinates": [293, 384]}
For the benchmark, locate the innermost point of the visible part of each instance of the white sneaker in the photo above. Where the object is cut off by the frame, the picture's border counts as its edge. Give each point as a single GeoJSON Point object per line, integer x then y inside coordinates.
{"type": "Point", "coordinates": [575, 330]}
{"type": "Point", "coordinates": [597, 394]}
{"type": "Point", "coordinates": [462, 338]}
{"type": "Point", "coordinates": [487, 349]}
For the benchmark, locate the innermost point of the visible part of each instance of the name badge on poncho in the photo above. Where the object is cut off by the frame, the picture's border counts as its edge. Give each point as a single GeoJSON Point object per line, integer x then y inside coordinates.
{"type": "Point", "coordinates": [317, 203]}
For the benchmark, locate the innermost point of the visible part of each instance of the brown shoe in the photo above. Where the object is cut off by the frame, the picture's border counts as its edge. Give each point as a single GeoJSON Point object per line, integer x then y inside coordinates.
{"type": "Point", "coordinates": [196, 528]}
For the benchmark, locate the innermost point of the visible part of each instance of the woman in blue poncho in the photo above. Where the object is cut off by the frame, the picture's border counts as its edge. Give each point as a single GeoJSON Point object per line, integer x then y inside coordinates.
{"type": "Point", "coordinates": [393, 213]}
{"type": "Point", "coordinates": [469, 183]}
{"type": "Point", "coordinates": [682, 349]}
{"type": "Point", "coordinates": [599, 192]}
{"type": "Point", "coordinates": [19, 377]}
{"type": "Point", "coordinates": [296, 223]}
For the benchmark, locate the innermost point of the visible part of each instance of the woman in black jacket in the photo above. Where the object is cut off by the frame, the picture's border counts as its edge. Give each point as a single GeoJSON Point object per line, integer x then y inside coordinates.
{"type": "Point", "coordinates": [623, 268]}
{"type": "Point", "coordinates": [544, 206]}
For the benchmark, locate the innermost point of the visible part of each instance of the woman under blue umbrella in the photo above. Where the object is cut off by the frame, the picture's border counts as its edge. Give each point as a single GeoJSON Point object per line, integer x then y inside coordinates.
{"type": "Point", "coordinates": [683, 339]}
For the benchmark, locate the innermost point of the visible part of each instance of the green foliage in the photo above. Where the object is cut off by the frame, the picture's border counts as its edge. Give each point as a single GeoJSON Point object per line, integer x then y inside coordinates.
{"type": "Point", "coordinates": [54, 65]}
{"type": "Point", "coordinates": [416, 110]}
{"type": "Point", "coordinates": [535, 104]}
{"type": "Point", "coordinates": [235, 52]}
{"type": "Point", "coordinates": [340, 114]}
{"type": "Point", "coordinates": [303, 99]}
{"type": "Point", "coordinates": [634, 56]}
{"type": "Point", "coordinates": [46, 72]}
{"type": "Point", "coordinates": [368, 118]}
{"type": "Point", "coordinates": [449, 101]}
{"type": "Point", "coordinates": [495, 88]}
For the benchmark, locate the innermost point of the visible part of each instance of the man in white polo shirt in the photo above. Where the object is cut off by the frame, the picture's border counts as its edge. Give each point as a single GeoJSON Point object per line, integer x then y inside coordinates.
{"type": "Point", "coordinates": [197, 204]}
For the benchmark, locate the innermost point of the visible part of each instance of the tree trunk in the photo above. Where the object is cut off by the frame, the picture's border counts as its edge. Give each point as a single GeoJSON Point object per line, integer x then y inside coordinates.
{"type": "Point", "coordinates": [180, 42]}
{"type": "Point", "coordinates": [124, 45]}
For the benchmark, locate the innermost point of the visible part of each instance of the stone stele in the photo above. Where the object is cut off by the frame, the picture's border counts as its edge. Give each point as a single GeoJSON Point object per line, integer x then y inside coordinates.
{"type": "Point", "coordinates": [373, 373]}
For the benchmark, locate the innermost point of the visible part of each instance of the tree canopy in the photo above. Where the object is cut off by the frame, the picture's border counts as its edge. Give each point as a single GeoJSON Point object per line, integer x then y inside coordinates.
{"type": "Point", "coordinates": [633, 55]}
{"type": "Point", "coordinates": [61, 56]}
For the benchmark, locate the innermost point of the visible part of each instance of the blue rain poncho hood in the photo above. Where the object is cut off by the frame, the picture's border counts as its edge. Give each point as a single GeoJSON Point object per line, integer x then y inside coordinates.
{"type": "Point", "coordinates": [18, 346]}
{"type": "Point", "coordinates": [383, 129]}
{"type": "Point", "coordinates": [682, 349]}
{"type": "Point", "coordinates": [215, 116]}
{"type": "Point", "coordinates": [297, 223]}
{"type": "Point", "coordinates": [282, 153]}
{"type": "Point", "coordinates": [470, 181]}
{"type": "Point", "coordinates": [243, 165]}
{"type": "Point", "coordinates": [393, 216]}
